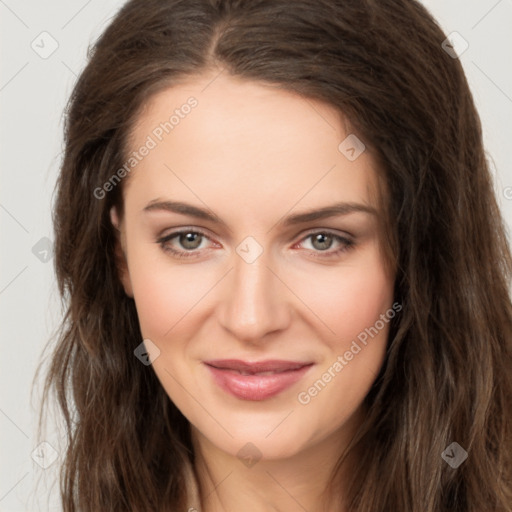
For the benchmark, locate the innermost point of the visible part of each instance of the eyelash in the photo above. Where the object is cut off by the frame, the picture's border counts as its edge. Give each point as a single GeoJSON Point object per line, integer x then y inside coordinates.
{"type": "Point", "coordinates": [164, 244]}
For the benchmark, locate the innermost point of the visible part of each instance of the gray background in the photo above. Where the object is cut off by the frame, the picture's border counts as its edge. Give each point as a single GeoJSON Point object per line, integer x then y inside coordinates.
{"type": "Point", "coordinates": [34, 87]}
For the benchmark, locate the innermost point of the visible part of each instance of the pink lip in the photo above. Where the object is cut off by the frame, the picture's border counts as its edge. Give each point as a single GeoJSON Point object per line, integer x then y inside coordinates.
{"type": "Point", "coordinates": [226, 374]}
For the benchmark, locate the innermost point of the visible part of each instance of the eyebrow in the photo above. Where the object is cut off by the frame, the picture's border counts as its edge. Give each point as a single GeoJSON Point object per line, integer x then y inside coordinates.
{"type": "Point", "coordinates": [333, 210]}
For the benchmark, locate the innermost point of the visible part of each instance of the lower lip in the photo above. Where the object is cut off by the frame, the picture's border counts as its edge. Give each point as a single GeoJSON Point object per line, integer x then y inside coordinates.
{"type": "Point", "coordinates": [256, 387]}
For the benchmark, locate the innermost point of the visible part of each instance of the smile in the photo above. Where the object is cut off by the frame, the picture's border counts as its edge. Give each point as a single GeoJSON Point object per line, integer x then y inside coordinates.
{"type": "Point", "coordinates": [256, 381]}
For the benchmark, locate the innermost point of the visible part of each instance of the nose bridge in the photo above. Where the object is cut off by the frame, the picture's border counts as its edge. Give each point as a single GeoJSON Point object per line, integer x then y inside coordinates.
{"type": "Point", "coordinates": [254, 303]}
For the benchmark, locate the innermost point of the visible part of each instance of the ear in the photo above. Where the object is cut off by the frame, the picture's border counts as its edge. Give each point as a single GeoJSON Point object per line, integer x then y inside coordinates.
{"type": "Point", "coordinates": [120, 253]}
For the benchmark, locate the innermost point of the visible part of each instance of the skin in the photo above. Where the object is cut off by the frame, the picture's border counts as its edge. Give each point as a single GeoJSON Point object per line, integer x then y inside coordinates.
{"type": "Point", "coordinates": [254, 154]}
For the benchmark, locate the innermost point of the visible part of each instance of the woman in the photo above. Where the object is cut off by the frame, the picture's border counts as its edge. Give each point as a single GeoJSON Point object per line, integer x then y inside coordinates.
{"type": "Point", "coordinates": [286, 272]}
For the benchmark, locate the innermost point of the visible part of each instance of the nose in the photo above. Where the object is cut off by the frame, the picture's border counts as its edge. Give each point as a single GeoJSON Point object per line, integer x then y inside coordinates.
{"type": "Point", "coordinates": [255, 301]}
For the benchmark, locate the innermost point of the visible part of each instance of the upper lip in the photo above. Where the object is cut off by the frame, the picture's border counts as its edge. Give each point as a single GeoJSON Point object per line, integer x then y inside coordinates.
{"type": "Point", "coordinates": [270, 365]}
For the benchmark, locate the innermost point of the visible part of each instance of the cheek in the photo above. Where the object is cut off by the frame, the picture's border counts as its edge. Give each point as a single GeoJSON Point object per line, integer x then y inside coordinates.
{"type": "Point", "coordinates": [164, 293]}
{"type": "Point", "coordinates": [348, 299]}
{"type": "Point", "coordinates": [355, 305]}
{"type": "Point", "coordinates": [365, 295]}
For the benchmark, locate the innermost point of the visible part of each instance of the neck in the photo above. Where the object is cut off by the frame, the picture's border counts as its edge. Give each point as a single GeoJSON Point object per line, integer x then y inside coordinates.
{"type": "Point", "coordinates": [294, 483]}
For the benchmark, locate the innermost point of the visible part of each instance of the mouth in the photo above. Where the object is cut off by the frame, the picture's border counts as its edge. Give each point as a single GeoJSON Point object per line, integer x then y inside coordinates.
{"type": "Point", "coordinates": [256, 380]}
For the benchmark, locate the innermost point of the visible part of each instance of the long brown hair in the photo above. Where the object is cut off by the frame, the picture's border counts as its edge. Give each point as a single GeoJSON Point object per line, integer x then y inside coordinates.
{"type": "Point", "coordinates": [447, 373]}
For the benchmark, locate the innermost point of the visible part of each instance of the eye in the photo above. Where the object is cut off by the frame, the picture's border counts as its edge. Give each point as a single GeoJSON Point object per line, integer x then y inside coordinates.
{"type": "Point", "coordinates": [191, 240]}
{"type": "Point", "coordinates": [188, 241]}
{"type": "Point", "coordinates": [322, 242]}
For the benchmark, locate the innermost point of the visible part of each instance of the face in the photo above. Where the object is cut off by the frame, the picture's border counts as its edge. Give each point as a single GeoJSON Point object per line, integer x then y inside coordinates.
{"type": "Point", "coordinates": [251, 235]}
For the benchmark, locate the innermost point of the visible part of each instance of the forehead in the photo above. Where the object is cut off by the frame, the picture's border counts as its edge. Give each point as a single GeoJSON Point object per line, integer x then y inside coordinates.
{"type": "Point", "coordinates": [217, 136]}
